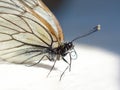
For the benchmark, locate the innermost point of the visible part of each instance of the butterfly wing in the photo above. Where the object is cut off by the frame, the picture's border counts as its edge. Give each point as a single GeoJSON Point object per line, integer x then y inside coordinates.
{"type": "Point", "coordinates": [27, 30]}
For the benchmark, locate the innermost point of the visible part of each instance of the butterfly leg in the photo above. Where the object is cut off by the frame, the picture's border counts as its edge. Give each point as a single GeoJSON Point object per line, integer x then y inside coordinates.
{"type": "Point", "coordinates": [70, 62]}
{"type": "Point", "coordinates": [40, 60]}
{"type": "Point", "coordinates": [65, 68]}
{"type": "Point", "coordinates": [52, 68]}
{"type": "Point", "coordinates": [63, 73]}
{"type": "Point", "coordinates": [65, 60]}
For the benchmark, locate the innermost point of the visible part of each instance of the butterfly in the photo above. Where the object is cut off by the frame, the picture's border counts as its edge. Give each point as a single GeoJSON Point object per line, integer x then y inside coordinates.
{"type": "Point", "coordinates": [30, 32]}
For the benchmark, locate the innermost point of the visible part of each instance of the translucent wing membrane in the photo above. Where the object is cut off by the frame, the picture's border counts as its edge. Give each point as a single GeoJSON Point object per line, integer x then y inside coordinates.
{"type": "Point", "coordinates": [27, 30]}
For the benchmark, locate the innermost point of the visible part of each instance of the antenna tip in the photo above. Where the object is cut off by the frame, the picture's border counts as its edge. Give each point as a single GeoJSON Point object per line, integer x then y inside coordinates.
{"type": "Point", "coordinates": [98, 27]}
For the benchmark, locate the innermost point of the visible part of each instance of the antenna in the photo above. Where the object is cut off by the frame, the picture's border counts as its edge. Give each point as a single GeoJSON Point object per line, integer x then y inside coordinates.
{"type": "Point", "coordinates": [96, 28]}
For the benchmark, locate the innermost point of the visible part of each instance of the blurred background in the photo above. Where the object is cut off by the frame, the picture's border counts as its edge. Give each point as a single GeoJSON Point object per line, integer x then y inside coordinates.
{"type": "Point", "coordinates": [79, 16]}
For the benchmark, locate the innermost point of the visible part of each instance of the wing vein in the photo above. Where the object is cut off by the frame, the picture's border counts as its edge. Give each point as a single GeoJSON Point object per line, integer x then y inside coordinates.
{"type": "Point", "coordinates": [13, 23]}
{"type": "Point", "coordinates": [25, 52]}
{"type": "Point", "coordinates": [12, 47]}
{"type": "Point", "coordinates": [9, 28]}
{"type": "Point", "coordinates": [31, 57]}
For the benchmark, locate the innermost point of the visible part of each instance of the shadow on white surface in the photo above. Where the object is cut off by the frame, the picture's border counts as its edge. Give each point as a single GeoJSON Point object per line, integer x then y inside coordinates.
{"type": "Point", "coordinates": [94, 69]}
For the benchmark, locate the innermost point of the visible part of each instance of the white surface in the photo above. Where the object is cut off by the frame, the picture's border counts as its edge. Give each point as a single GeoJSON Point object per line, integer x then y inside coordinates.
{"type": "Point", "coordinates": [95, 69]}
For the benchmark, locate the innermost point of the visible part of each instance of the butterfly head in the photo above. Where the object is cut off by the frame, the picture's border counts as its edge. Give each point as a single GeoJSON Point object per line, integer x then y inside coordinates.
{"type": "Point", "coordinates": [68, 46]}
{"type": "Point", "coordinates": [65, 48]}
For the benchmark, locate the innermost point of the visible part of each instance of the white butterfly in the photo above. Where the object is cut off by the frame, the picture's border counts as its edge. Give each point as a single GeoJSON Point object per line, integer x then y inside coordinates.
{"type": "Point", "coordinates": [30, 32]}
